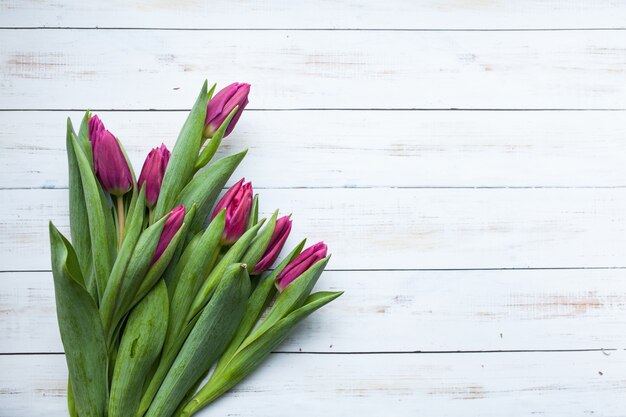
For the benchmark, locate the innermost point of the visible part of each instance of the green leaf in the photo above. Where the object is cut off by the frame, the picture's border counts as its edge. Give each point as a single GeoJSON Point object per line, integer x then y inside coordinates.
{"type": "Point", "coordinates": [79, 221]}
{"type": "Point", "coordinates": [131, 236]}
{"type": "Point", "coordinates": [234, 255]}
{"type": "Point", "coordinates": [290, 299]}
{"type": "Point", "coordinates": [214, 143]}
{"type": "Point", "coordinates": [254, 212]}
{"type": "Point", "coordinates": [205, 187]}
{"type": "Point", "coordinates": [257, 303]}
{"type": "Point", "coordinates": [259, 244]}
{"type": "Point", "coordinates": [249, 358]}
{"type": "Point", "coordinates": [140, 346]}
{"type": "Point", "coordinates": [208, 339]}
{"type": "Point", "coordinates": [99, 226]}
{"type": "Point", "coordinates": [198, 257]}
{"type": "Point", "coordinates": [81, 330]}
{"type": "Point", "coordinates": [136, 269]}
{"type": "Point", "coordinates": [180, 168]}
{"type": "Point", "coordinates": [156, 270]}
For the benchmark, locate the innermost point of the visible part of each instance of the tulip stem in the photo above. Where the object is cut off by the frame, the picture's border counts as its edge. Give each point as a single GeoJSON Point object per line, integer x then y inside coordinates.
{"type": "Point", "coordinates": [120, 220]}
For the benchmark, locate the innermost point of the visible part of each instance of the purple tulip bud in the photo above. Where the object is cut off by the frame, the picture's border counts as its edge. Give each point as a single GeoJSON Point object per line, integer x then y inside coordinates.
{"type": "Point", "coordinates": [301, 264]}
{"type": "Point", "coordinates": [238, 203]}
{"type": "Point", "coordinates": [152, 173]}
{"type": "Point", "coordinates": [109, 162]}
{"type": "Point", "coordinates": [222, 104]}
{"type": "Point", "coordinates": [170, 228]}
{"type": "Point", "coordinates": [277, 241]}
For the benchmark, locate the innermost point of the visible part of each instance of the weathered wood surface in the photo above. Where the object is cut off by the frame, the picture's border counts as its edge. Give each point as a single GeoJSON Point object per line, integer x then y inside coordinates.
{"type": "Point", "coordinates": [395, 228]}
{"type": "Point", "coordinates": [335, 14]}
{"type": "Point", "coordinates": [148, 69]}
{"type": "Point", "coordinates": [402, 311]}
{"type": "Point", "coordinates": [562, 384]}
{"type": "Point", "coordinates": [500, 232]}
{"type": "Point", "coordinates": [356, 148]}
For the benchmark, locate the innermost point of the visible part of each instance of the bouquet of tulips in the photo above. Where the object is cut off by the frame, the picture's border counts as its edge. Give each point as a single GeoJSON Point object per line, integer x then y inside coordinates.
{"type": "Point", "coordinates": [166, 300]}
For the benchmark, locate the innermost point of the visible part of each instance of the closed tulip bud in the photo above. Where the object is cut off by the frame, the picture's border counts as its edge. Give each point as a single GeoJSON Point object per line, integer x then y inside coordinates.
{"type": "Point", "coordinates": [222, 104]}
{"type": "Point", "coordinates": [109, 162]}
{"type": "Point", "coordinates": [298, 266]}
{"type": "Point", "coordinates": [277, 241]}
{"type": "Point", "coordinates": [238, 203]}
{"type": "Point", "coordinates": [152, 173]}
{"type": "Point", "coordinates": [171, 226]}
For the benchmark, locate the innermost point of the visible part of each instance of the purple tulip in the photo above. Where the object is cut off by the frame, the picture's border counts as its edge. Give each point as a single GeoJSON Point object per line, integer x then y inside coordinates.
{"type": "Point", "coordinates": [109, 162]}
{"type": "Point", "coordinates": [238, 203]}
{"type": "Point", "coordinates": [299, 265]}
{"type": "Point", "coordinates": [170, 228]}
{"type": "Point", "coordinates": [152, 173]}
{"type": "Point", "coordinates": [222, 104]}
{"type": "Point", "coordinates": [277, 241]}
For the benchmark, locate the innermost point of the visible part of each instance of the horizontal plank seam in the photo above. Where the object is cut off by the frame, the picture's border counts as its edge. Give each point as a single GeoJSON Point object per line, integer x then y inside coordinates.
{"type": "Point", "coordinates": [319, 29]}
{"type": "Point", "coordinates": [298, 109]}
{"type": "Point", "coordinates": [606, 351]}
{"type": "Point", "coordinates": [392, 187]}
{"type": "Point", "coordinates": [556, 268]}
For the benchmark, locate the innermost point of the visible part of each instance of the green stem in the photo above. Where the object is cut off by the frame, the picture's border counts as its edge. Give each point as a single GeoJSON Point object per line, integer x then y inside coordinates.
{"type": "Point", "coordinates": [120, 220]}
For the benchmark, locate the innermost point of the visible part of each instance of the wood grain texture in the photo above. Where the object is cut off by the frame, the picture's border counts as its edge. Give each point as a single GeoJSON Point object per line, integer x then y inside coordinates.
{"type": "Point", "coordinates": [144, 69]}
{"type": "Point", "coordinates": [390, 228]}
{"type": "Point", "coordinates": [360, 14]}
{"type": "Point", "coordinates": [402, 310]}
{"type": "Point", "coordinates": [356, 148]}
{"type": "Point", "coordinates": [562, 384]}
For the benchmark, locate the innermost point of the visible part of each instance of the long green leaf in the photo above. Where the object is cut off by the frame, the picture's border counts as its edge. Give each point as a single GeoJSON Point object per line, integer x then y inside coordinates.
{"type": "Point", "coordinates": [257, 303]}
{"type": "Point", "coordinates": [79, 221]}
{"type": "Point", "coordinates": [99, 229]}
{"type": "Point", "coordinates": [208, 339]}
{"type": "Point", "coordinates": [181, 165]}
{"type": "Point", "coordinates": [249, 358]}
{"type": "Point", "coordinates": [234, 255]}
{"type": "Point", "coordinates": [186, 284]}
{"type": "Point", "coordinates": [81, 330]}
{"type": "Point", "coordinates": [140, 346]}
{"type": "Point", "coordinates": [205, 187]}
{"type": "Point", "coordinates": [131, 236]}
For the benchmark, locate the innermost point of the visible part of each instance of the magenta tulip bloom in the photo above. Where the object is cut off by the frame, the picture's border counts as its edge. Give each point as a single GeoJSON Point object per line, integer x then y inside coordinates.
{"type": "Point", "coordinates": [301, 264]}
{"type": "Point", "coordinates": [109, 162]}
{"type": "Point", "coordinates": [152, 173]}
{"type": "Point", "coordinates": [170, 228]}
{"type": "Point", "coordinates": [222, 104]}
{"type": "Point", "coordinates": [238, 203]}
{"type": "Point", "coordinates": [277, 241]}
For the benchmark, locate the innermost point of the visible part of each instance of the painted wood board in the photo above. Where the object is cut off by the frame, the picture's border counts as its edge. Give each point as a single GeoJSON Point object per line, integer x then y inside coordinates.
{"type": "Point", "coordinates": [148, 69]}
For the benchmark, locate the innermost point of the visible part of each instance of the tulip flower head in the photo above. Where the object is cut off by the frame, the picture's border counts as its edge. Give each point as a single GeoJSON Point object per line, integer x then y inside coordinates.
{"type": "Point", "coordinates": [172, 224]}
{"type": "Point", "coordinates": [238, 203]}
{"type": "Point", "coordinates": [110, 164]}
{"type": "Point", "coordinates": [301, 264]}
{"type": "Point", "coordinates": [277, 241]}
{"type": "Point", "coordinates": [222, 104]}
{"type": "Point", "coordinates": [152, 173]}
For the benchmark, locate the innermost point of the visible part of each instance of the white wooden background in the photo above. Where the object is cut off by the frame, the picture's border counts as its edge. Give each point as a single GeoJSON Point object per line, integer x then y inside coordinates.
{"type": "Point", "coordinates": [464, 160]}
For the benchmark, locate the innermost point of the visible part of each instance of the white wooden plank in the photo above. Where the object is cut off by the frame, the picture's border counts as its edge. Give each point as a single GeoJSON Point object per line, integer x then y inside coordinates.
{"type": "Point", "coordinates": [386, 228]}
{"type": "Point", "coordinates": [559, 384]}
{"type": "Point", "coordinates": [394, 14]}
{"type": "Point", "coordinates": [356, 148]}
{"type": "Point", "coordinates": [403, 311]}
{"type": "Point", "coordinates": [122, 69]}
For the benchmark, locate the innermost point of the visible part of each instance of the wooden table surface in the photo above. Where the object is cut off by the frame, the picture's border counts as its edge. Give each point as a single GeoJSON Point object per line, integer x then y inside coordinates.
{"type": "Point", "coordinates": [464, 161]}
